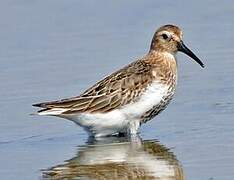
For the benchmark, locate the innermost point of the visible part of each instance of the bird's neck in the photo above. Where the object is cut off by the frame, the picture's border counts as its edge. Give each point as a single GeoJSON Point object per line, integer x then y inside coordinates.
{"type": "Point", "coordinates": [164, 66]}
{"type": "Point", "coordinates": [162, 58]}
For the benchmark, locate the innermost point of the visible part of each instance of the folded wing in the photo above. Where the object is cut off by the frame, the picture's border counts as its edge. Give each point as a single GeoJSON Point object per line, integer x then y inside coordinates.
{"type": "Point", "coordinates": [110, 93]}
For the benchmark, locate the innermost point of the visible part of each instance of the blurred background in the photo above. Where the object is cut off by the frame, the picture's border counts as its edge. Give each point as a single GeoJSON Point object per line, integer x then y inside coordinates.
{"type": "Point", "coordinates": [56, 49]}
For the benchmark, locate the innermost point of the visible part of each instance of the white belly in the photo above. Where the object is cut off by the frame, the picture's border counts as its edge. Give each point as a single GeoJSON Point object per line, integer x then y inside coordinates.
{"type": "Point", "coordinates": [124, 119]}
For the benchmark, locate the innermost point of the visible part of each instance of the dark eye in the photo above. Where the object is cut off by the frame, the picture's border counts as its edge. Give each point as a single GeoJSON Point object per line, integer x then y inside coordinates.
{"type": "Point", "coordinates": [165, 36]}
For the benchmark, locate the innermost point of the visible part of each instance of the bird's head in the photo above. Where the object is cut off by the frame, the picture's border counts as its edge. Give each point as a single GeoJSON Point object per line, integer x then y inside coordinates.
{"type": "Point", "coordinates": [168, 38]}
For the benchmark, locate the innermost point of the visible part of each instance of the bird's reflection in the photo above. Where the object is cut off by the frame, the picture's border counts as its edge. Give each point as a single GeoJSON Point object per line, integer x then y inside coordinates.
{"type": "Point", "coordinates": [119, 158]}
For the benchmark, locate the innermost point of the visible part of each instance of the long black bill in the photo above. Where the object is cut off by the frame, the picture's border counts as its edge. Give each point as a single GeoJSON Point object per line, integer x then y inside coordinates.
{"type": "Point", "coordinates": [184, 49]}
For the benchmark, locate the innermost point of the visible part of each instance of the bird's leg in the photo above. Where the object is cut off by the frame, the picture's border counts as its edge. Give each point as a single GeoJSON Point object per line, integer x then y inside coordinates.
{"type": "Point", "coordinates": [133, 127]}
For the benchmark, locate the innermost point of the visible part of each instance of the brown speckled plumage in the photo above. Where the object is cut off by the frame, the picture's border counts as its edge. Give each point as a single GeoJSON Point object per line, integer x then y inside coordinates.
{"type": "Point", "coordinates": [127, 85]}
{"type": "Point", "coordinates": [121, 87]}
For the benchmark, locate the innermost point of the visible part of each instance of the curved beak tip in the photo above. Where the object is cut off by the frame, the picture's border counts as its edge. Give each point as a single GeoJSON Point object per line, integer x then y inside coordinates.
{"type": "Point", "coordinates": [186, 50]}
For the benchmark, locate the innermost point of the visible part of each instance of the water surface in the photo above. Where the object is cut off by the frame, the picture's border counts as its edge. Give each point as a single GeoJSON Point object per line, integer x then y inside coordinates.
{"type": "Point", "coordinates": [56, 49]}
{"type": "Point", "coordinates": [119, 158]}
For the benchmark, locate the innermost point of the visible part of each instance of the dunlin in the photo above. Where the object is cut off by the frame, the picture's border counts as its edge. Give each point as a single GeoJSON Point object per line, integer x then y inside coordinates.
{"type": "Point", "coordinates": [131, 96]}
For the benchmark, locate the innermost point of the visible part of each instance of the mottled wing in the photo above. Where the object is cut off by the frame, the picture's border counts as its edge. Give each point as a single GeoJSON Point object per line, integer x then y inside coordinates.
{"type": "Point", "coordinates": [112, 92]}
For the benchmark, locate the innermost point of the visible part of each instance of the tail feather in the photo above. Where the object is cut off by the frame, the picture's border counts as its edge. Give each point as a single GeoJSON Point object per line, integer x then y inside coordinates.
{"type": "Point", "coordinates": [51, 111]}
{"type": "Point", "coordinates": [42, 105]}
{"type": "Point", "coordinates": [47, 110]}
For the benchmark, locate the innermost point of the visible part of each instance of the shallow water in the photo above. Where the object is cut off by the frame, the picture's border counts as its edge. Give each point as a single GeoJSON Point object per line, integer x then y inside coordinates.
{"type": "Point", "coordinates": [56, 49]}
{"type": "Point", "coordinates": [119, 158]}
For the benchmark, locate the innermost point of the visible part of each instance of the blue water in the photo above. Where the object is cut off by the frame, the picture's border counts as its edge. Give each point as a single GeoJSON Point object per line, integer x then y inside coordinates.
{"type": "Point", "coordinates": [56, 49]}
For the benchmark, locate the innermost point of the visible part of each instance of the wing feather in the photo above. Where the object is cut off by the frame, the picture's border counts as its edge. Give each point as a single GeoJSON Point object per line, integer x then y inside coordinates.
{"type": "Point", "coordinates": [112, 92]}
